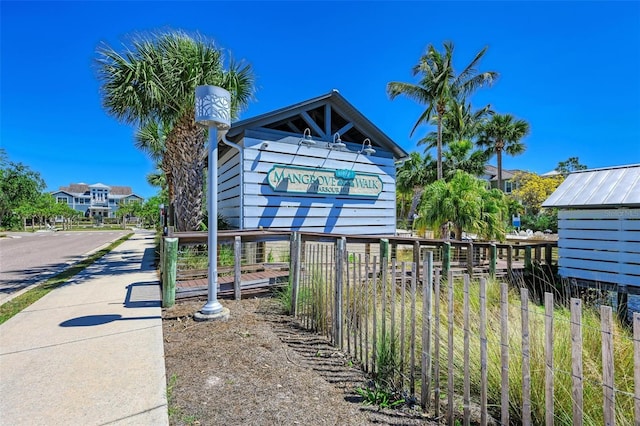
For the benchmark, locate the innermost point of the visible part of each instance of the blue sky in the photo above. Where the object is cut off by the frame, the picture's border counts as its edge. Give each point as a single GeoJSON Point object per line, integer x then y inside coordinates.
{"type": "Point", "coordinates": [571, 69]}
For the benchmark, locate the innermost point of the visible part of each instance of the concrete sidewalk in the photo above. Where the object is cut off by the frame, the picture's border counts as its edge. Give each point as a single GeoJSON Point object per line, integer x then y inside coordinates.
{"type": "Point", "coordinates": [91, 352]}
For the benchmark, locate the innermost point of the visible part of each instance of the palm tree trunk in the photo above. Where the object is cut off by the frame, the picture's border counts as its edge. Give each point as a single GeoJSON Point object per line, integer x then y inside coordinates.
{"type": "Point", "coordinates": [439, 160]}
{"type": "Point", "coordinates": [185, 149]}
{"type": "Point", "coordinates": [415, 200]}
{"type": "Point", "coordinates": [499, 155]}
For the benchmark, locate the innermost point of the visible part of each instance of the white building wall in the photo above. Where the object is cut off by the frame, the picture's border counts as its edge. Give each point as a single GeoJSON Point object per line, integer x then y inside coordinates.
{"type": "Point", "coordinates": [266, 208]}
{"type": "Point", "coordinates": [229, 187]}
{"type": "Point", "coordinates": [600, 245]}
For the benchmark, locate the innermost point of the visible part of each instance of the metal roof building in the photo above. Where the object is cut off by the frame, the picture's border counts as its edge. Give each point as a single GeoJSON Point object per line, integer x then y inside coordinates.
{"type": "Point", "coordinates": [599, 226]}
{"type": "Point", "coordinates": [599, 188]}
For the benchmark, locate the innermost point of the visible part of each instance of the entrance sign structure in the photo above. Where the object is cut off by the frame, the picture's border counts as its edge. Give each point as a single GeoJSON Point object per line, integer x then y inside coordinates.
{"type": "Point", "coordinates": [316, 166]}
{"type": "Point", "coordinates": [213, 110]}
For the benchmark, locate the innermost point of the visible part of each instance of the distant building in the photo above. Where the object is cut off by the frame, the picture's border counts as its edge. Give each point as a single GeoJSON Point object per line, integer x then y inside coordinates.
{"type": "Point", "coordinates": [97, 200]}
{"type": "Point", "coordinates": [491, 176]}
{"type": "Point", "coordinates": [599, 227]}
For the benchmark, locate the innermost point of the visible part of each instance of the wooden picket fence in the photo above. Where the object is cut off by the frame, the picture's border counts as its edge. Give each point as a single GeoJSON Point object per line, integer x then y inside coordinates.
{"type": "Point", "coordinates": [364, 303]}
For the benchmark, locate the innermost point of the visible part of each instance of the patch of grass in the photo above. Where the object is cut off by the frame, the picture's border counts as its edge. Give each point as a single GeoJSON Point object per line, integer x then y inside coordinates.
{"type": "Point", "coordinates": [283, 296]}
{"type": "Point", "coordinates": [14, 306]}
{"type": "Point", "coordinates": [176, 416]}
{"type": "Point", "coordinates": [173, 410]}
{"type": "Point", "coordinates": [380, 396]}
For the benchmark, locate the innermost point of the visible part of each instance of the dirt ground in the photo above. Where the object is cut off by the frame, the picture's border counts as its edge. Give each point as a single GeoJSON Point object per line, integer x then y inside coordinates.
{"type": "Point", "coordinates": [259, 368]}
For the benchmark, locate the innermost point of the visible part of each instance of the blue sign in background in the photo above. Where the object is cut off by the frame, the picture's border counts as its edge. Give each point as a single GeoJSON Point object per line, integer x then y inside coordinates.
{"type": "Point", "coordinates": [516, 221]}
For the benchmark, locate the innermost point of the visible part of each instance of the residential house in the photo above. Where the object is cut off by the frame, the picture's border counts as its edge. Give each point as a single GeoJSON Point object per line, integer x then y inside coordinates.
{"type": "Point", "coordinates": [97, 200]}
{"type": "Point", "coordinates": [491, 176]}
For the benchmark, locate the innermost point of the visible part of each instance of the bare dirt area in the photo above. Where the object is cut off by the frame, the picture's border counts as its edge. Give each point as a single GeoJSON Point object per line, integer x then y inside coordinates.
{"type": "Point", "coordinates": [260, 368]}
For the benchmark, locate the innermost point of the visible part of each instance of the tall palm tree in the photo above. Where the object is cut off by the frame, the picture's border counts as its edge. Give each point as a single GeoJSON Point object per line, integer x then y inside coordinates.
{"type": "Point", "coordinates": [503, 133]}
{"type": "Point", "coordinates": [460, 122]}
{"type": "Point", "coordinates": [437, 84]}
{"type": "Point", "coordinates": [155, 80]}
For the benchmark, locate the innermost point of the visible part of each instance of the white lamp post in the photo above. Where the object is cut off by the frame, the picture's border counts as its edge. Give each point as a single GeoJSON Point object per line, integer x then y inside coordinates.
{"type": "Point", "coordinates": [213, 110]}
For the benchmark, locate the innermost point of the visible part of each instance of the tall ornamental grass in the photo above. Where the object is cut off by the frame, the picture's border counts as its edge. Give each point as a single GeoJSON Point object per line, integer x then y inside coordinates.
{"type": "Point", "coordinates": [563, 402]}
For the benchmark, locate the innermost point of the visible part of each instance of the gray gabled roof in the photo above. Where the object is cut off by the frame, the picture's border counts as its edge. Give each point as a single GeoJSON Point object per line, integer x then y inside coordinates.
{"type": "Point", "coordinates": [492, 173]}
{"type": "Point", "coordinates": [362, 127]}
{"type": "Point", "coordinates": [610, 187]}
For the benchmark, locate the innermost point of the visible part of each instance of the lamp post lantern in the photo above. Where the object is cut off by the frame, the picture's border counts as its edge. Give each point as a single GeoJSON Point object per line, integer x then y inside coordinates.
{"type": "Point", "coordinates": [213, 110]}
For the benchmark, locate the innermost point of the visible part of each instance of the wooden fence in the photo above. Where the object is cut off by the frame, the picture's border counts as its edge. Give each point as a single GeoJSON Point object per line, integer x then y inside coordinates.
{"type": "Point", "coordinates": [250, 261]}
{"type": "Point", "coordinates": [438, 338]}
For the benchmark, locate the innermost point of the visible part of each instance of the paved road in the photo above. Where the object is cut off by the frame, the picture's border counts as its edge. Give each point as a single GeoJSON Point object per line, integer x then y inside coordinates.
{"type": "Point", "coordinates": [29, 258]}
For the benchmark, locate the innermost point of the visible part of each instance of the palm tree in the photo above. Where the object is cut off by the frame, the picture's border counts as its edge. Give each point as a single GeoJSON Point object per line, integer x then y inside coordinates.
{"type": "Point", "coordinates": [461, 155]}
{"type": "Point", "coordinates": [503, 133]}
{"type": "Point", "coordinates": [415, 173]}
{"type": "Point", "coordinates": [155, 80]}
{"type": "Point", "coordinates": [465, 202]}
{"type": "Point", "coordinates": [460, 122]}
{"type": "Point", "coordinates": [438, 83]}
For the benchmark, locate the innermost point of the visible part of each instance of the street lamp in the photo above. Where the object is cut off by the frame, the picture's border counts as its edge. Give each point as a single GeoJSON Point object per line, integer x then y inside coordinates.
{"type": "Point", "coordinates": [213, 110]}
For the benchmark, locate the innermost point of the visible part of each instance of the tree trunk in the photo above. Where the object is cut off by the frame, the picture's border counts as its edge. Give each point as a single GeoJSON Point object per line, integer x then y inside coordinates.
{"type": "Point", "coordinates": [415, 200]}
{"type": "Point", "coordinates": [458, 232]}
{"type": "Point", "coordinates": [439, 140]}
{"type": "Point", "coordinates": [499, 155]}
{"type": "Point", "coordinates": [186, 149]}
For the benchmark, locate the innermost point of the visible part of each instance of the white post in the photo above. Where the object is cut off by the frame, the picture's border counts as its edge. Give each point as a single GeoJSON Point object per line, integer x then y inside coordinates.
{"type": "Point", "coordinates": [213, 110]}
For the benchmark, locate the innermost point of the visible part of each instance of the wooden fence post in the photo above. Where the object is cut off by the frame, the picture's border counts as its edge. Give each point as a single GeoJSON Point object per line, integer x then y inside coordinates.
{"type": "Point", "coordinates": [412, 343]}
{"type": "Point", "coordinates": [548, 254]}
{"type": "Point", "coordinates": [609, 403]}
{"type": "Point", "coordinates": [483, 350]}
{"type": "Point", "coordinates": [446, 258]}
{"type": "Point", "coordinates": [548, 355]}
{"type": "Point", "coordinates": [527, 258]}
{"type": "Point", "coordinates": [450, 380]}
{"type": "Point", "coordinates": [416, 258]}
{"type": "Point", "coordinates": [510, 262]}
{"type": "Point", "coordinates": [384, 248]}
{"type": "Point", "coordinates": [470, 259]}
{"type": "Point", "coordinates": [170, 265]}
{"type": "Point", "coordinates": [337, 322]}
{"type": "Point", "coordinates": [466, 397]}
{"type": "Point", "coordinates": [504, 351]}
{"type": "Point", "coordinates": [493, 260]}
{"type": "Point", "coordinates": [436, 344]}
{"type": "Point", "coordinates": [576, 359]}
{"type": "Point", "coordinates": [636, 364]}
{"type": "Point", "coordinates": [294, 269]}
{"type": "Point", "coordinates": [237, 270]}
{"type": "Point", "coordinates": [427, 289]}
{"type": "Point", "coordinates": [526, 357]}
{"type": "Point", "coordinates": [374, 336]}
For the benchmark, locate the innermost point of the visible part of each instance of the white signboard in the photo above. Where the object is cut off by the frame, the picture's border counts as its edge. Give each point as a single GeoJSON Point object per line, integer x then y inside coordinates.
{"type": "Point", "coordinates": [309, 180]}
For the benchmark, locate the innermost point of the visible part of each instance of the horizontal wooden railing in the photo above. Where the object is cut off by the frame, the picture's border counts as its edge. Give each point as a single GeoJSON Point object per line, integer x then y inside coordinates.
{"type": "Point", "coordinates": [258, 251]}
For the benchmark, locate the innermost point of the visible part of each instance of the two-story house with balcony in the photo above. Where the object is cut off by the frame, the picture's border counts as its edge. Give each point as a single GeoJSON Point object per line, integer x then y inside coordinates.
{"type": "Point", "coordinates": [97, 200]}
